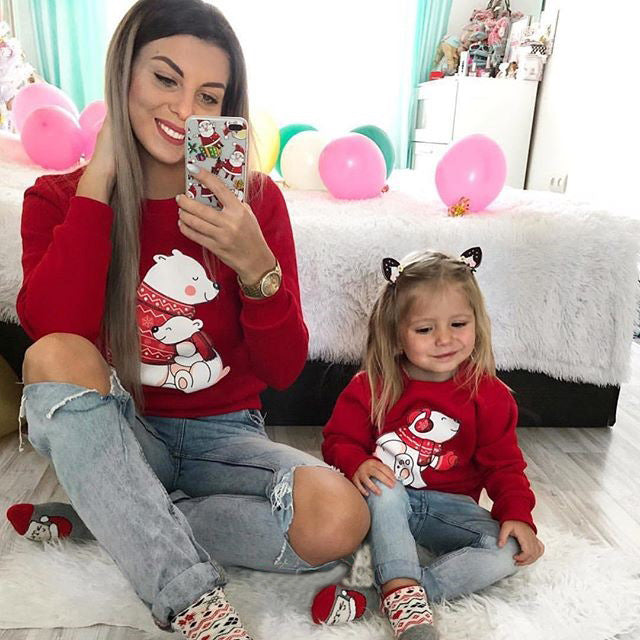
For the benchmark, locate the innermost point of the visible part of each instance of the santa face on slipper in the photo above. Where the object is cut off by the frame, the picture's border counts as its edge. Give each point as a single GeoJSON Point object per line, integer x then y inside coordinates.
{"type": "Point", "coordinates": [41, 529]}
{"type": "Point", "coordinates": [337, 605]}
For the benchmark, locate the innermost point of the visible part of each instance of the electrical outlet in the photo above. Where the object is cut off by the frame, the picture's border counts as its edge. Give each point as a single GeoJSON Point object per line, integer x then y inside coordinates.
{"type": "Point", "coordinates": [558, 184]}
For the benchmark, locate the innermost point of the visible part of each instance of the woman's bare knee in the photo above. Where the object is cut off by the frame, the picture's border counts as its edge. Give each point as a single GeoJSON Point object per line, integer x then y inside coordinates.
{"type": "Point", "coordinates": [67, 358]}
{"type": "Point", "coordinates": [331, 518]}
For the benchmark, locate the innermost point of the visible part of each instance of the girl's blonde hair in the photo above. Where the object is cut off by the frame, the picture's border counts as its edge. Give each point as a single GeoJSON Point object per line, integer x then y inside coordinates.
{"type": "Point", "coordinates": [382, 361]}
{"type": "Point", "coordinates": [146, 21]}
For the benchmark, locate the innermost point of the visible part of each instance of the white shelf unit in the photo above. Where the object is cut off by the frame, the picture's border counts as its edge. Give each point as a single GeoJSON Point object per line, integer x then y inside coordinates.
{"type": "Point", "coordinates": [454, 107]}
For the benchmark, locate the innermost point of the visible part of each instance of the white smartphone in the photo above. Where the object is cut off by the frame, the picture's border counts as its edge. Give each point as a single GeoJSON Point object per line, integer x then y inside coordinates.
{"type": "Point", "coordinates": [219, 145]}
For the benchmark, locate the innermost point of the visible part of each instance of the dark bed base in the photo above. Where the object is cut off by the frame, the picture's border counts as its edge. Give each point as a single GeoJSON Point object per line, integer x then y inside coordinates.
{"type": "Point", "coordinates": [543, 401]}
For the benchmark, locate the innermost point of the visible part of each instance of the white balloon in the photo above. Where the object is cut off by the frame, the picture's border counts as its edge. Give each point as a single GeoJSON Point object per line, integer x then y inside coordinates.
{"type": "Point", "coordinates": [299, 160]}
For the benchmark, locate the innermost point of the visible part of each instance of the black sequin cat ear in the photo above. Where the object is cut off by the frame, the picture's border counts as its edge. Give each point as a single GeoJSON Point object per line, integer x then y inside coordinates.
{"type": "Point", "coordinates": [472, 257]}
{"type": "Point", "coordinates": [391, 269]}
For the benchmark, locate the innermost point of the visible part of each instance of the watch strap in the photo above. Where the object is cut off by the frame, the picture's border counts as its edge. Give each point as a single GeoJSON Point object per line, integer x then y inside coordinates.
{"type": "Point", "coordinates": [255, 290]}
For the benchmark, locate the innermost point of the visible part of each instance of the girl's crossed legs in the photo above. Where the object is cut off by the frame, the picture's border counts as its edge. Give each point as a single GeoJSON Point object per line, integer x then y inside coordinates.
{"type": "Point", "coordinates": [460, 533]}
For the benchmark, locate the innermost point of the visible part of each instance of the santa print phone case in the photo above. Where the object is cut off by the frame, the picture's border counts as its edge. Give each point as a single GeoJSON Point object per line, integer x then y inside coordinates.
{"type": "Point", "coordinates": [218, 145]}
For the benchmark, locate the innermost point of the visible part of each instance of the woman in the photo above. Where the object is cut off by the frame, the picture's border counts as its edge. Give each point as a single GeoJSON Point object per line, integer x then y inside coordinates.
{"type": "Point", "coordinates": [109, 260]}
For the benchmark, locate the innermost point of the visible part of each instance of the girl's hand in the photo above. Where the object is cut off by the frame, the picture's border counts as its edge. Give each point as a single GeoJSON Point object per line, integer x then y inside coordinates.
{"type": "Point", "coordinates": [372, 468]}
{"type": "Point", "coordinates": [232, 234]}
{"type": "Point", "coordinates": [530, 547]}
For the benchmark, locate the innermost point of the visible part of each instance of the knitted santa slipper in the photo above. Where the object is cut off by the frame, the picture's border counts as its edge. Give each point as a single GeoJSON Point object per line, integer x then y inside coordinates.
{"type": "Point", "coordinates": [37, 526]}
{"type": "Point", "coordinates": [336, 605]}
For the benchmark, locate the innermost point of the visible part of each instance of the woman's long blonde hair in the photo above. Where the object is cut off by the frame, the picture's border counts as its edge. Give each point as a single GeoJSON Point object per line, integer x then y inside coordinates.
{"type": "Point", "coordinates": [148, 20]}
{"type": "Point", "coordinates": [422, 273]}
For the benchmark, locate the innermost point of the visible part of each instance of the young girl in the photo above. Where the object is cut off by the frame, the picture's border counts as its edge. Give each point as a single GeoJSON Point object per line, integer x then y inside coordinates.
{"type": "Point", "coordinates": [115, 255]}
{"type": "Point", "coordinates": [421, 431]}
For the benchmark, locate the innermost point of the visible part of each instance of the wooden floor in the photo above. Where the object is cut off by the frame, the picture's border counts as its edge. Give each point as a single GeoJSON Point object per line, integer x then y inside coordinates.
{"type": "Point", "coordinates": [584, 479]}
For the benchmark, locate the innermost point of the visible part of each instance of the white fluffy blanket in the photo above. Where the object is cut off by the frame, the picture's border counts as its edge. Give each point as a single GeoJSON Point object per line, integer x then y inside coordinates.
{"type": "Point", "coordinates": [578, 590]}
{"type": "Point", "coordinates": [14, 179]}
{"type": "Point", "coordinates": [560, 278]}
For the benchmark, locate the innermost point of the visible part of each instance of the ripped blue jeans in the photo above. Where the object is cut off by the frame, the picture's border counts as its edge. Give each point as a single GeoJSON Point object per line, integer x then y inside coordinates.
{"type": "Point", "coordinates": [171, 500]}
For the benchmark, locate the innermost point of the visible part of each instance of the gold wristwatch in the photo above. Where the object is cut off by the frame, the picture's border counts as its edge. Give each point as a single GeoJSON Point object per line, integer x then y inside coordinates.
{"type": "Point", "coordinates": [266, 287]}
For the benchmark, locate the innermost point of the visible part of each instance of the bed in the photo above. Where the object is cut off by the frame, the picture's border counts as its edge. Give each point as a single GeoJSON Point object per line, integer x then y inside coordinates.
{"type": "Point", "coordinates": [560, 280]}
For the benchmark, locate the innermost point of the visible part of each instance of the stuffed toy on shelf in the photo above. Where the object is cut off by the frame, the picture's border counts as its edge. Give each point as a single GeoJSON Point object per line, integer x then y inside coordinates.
{"type": "Point", "coordinates": [447, 56]}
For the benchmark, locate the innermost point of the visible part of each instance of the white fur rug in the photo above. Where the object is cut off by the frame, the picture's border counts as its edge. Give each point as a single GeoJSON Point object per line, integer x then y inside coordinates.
{"type": "Point", "coordinates": [555, 273]}
{"type": "Point", "coordinates": [578, 591]}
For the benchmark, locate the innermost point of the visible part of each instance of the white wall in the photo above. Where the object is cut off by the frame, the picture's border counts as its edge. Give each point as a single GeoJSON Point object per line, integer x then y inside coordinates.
{"type": "Point", "coordinates": [587, 122]}
{"type": "Point", "coordinates": [115, 12]}
{"type": "Point", "coordinates": [333, 64]}
{"type": "Point", "coordinates": [461, 11]}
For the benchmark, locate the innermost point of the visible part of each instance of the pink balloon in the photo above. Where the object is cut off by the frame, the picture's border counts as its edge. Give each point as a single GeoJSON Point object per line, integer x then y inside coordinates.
{"type": "Point", "coordinates": [91, 120]}
{"type": "Point", "coordinates": [35, 96]}
{"type": "Point", "coordinates": [353, 167]}
{"type": "Point", "coordinates": [475, 168]}
{"type": "Point", "coordinates": [52, 138]}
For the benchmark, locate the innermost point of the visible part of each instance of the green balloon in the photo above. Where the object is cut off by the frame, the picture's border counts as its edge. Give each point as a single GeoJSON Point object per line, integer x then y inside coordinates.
{"type": "Point", "coordinates": [286, 133]}
{"type": "Point", "coordinates": [382, 140]}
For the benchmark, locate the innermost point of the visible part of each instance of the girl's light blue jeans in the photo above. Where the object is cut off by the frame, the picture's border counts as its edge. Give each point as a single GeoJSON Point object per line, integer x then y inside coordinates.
{"type": "Point", "coordinates": [149, 488]}
{"type": "Point", "coordinates": [454, 528]}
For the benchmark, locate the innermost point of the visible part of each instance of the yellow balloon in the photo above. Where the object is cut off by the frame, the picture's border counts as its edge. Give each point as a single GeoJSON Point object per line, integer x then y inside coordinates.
{"type": "Point", "coordinates": [266, 141]}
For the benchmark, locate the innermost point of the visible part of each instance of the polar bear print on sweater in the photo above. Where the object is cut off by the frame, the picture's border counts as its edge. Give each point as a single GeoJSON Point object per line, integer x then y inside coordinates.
{"type": "Point", "coordinates": [181, 278]}
{"type": "Point", "coordinates": [175, 351]}
{"type": "Point", "coordinates": [417, 446]}
{"type": "Point", "coordinates": [195, 357]}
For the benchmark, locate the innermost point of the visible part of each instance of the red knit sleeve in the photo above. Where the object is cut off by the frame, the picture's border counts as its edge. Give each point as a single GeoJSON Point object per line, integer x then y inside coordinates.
{"type": "Point", "coordinates": [66, 250]}
{"type": "Point", "coordinates": [499, 456]}
{"type": "Point", "coordinates": [274, 330]}
{"type": "Point", "coordinates": [348, 437]}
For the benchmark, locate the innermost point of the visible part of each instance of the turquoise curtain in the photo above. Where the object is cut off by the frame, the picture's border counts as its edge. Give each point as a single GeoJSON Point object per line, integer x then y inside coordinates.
{"type": "Point", "coordinates": [71, 42]}
{"type": "Point", "coordinates": [432, 18]}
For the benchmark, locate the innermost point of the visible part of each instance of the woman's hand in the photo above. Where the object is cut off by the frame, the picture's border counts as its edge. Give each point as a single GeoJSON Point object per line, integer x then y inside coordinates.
{"type": "Point", "coordinates": [99, 175]}
{"type": "Point", "coordinates": [103, 157]}
{"type": "Point", "coordinates": [372, 468]}
{"type": "Point", "coordinates": [232, 234]}
{"type": "Point", "coordinates": [530, 547]}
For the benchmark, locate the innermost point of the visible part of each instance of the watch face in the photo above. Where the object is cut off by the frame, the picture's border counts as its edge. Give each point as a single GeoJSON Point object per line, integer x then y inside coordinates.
{"type": "Point", "coordinates": [270, 284]}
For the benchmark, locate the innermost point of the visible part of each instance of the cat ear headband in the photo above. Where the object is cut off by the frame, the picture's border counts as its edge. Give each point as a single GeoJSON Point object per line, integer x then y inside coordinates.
{"type": "Point", "coordinates": [391, 268]}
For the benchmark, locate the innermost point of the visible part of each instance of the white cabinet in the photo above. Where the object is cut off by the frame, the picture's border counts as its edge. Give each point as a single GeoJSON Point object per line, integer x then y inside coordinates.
{"type": "Point", "coordinates": [454, 107]}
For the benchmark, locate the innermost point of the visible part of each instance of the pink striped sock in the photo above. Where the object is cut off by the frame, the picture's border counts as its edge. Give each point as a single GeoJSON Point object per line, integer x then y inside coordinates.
{"type": "Point", "coordinates": [210, 618]}
{"type": "Point", "coordinates": [409, 613]}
